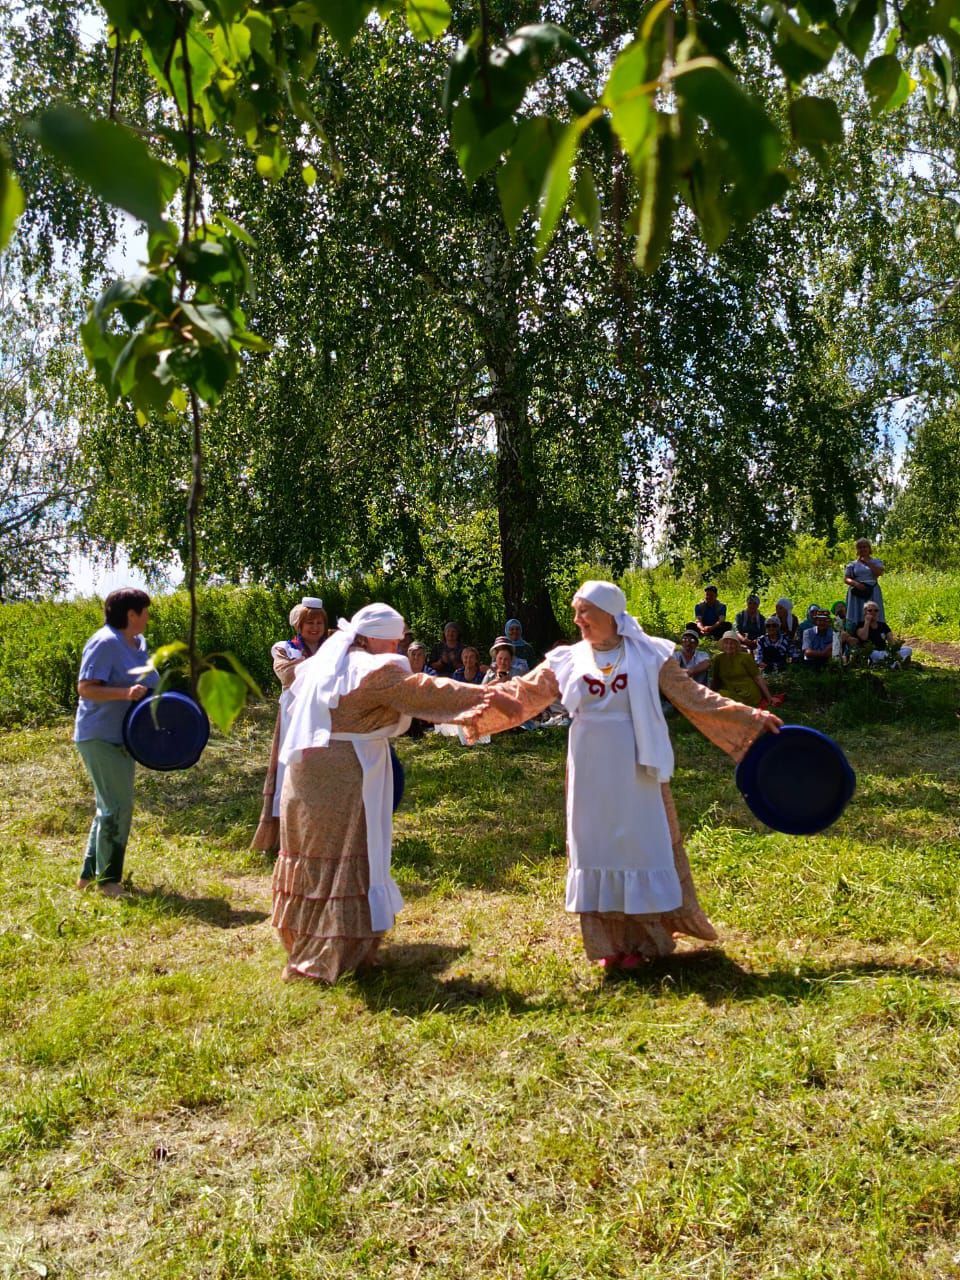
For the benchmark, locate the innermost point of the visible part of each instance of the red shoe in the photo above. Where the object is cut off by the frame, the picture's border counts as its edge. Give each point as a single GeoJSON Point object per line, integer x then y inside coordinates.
{"type": "Point", "coordinates": [630, 961]}
{"type": "Point", "coordinates": [610, 962]}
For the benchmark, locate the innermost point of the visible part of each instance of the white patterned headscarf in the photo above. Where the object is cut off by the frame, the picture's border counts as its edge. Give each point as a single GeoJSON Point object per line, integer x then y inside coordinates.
{"type": "Point", "coordinates": [326, 678]}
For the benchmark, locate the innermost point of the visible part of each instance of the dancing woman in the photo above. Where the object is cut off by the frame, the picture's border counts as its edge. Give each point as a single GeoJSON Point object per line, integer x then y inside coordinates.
{"type": "Point", "coordinates": [333, 894]}
{"type": "Point", "coordinates": [628, 876]}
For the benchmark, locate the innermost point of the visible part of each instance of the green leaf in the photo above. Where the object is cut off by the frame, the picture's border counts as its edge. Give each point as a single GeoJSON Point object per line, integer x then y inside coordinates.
{"type": "Point", "coordinates": [800, 52]}
{"type": "Point", "coordinates": [477, 150]}
{"type": "Point", "coordinates": [887, 83]}
{"type": "Point", "coordinates": [160, 657]}
{"type": "Point", "coordinates": [462, 66]}
{"type": "Point", "coordinates": [656, 204]}
{"type": "Point", "coordinates": [556, 186]}
{"type": "Point", "coordinates": [586, 202]}
{"type": "Point", "coordinates": [542, 38]}
{"type": "Point", "coordinates": [857, 24]}
{"type": "Point", "coordinates": [309, 174]}
{"type": "Point", "coordinates": [428, 19]}
{"type": "Point", "coordinates": [11, 199]}
{"type": "Point", "coordinates": [211, 320]}
{"type": "Point", "coordinates": [815, 120]}
{"type": "Point", "coordinates": [631, 106]}
{"type": "Point", "coordinates": [740, 121]}
{"type": "Point", "coordinates": [222, 695]}
{"type": "Point", "coordinates": [109, 159]}
{"type": "Point", "coordinates": [240, 669]}
{"type": "Point", "coordinates": [343, 19]}
{"type": "Point", "coordinates": [520, 178]}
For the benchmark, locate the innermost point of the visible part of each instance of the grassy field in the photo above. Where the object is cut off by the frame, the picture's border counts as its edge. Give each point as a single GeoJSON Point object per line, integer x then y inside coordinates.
{"type": "Point", "coordinates": [786, 1104]}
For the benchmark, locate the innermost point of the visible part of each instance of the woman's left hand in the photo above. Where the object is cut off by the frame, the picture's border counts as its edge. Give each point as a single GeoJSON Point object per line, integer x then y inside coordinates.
{"type": "Point", "coordinates": [769, 722]}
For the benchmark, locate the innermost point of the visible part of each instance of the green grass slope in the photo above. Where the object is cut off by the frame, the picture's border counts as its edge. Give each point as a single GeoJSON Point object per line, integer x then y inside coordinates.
{"type": "Point", "coordinates": [784, 1104]}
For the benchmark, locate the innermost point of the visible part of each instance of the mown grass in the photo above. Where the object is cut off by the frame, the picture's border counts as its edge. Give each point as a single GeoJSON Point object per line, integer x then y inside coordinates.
{"type": "Point", "coordinates": [785, 1104]}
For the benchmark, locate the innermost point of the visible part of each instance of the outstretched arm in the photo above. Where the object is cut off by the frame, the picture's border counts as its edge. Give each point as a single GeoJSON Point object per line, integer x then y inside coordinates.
{"type": "Point", "coordinates": [729, 725]}
{"type": "Point", "coordinates": [512, 703]}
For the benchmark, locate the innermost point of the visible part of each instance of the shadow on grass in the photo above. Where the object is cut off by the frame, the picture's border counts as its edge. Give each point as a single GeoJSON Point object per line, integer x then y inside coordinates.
{"type": "Point", "coordinates": [716, 978]}
{"type": "Point", "coordinates": [408, 983]}
{"type": "Point", "coordinates": [218, 912]}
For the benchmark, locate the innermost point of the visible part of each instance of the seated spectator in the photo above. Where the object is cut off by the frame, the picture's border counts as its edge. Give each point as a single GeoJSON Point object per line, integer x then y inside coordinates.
{"type": "Point", "coordinates": [749, 625]}
{"type": "Point", "coordinates": [874, 634]}
{"type": "Point", "coordinates": [522, 651]}
{"type": "Point", "coordinates": [503, 668]}
{"type": "Point", "coordinates": [808, 623]}
{"type": "Point", "coordinates": [788, 621]}
{"type": "Point", "coordinates": [692, 659]}
{"type": "Point", "coordinates": [710, 616]}
{"type": "Point", "coordinates": [817, 641]}
{"type": "Point", "coordinates": [774, 650]}
{"type": "Point", "coordinates": [838, 620]}
{"type": "Point", "coordinates": [471, 671]}
{"type": "Point", "coordinates": [734, 673]}
{"type": "Point", "coordinates": [446, 656]}
{"type": "Point", "coordinates": [417, 657]}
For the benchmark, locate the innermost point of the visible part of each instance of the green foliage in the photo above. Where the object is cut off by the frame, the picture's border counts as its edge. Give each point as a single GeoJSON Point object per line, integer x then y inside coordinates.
{"type": "Point", "coordinates": [11, 199]}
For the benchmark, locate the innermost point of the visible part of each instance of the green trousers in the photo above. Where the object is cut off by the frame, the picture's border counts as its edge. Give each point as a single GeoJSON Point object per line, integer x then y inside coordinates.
{"type": "Point", "coordinates": [111, 769]}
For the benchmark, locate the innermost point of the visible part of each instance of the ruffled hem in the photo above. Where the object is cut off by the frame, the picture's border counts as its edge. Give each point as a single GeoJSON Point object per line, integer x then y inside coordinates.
{"type": "Point", "coordinates": [630, 891]}
{"type": "Point", "coordinates": [323, 917]}
{"type": "Point", "coordinates": [304, 875]}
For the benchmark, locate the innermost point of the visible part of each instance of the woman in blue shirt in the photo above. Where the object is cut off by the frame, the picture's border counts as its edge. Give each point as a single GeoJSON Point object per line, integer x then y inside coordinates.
{"type": "Point", "coordinates": [111, 676]}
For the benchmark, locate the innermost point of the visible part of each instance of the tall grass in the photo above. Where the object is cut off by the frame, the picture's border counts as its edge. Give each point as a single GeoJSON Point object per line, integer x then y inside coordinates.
{"type": "Point", "coordinates": [40, 644]}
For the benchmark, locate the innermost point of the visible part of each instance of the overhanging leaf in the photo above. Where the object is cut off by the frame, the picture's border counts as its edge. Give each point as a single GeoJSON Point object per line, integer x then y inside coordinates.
{"type": "Point", "coordinates": [887, 83]}
{"type": "Point", "coordinates": [109, 159]}
{"type": "Point", "coordinates": [428, 19]}
{"type": "Point", "coordinates": [706, 87]}
{"type": "Point", "coordinates": [11, 200]}
{"type": "Point", "coordinates": [556, 186]}
{"type": "Point", "coordinates": [222, 695]}
{"type": "Point", "coordinates": [815, 120]}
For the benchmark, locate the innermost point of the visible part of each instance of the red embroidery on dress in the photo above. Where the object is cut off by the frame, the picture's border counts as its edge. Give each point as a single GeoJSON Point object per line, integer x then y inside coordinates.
{"type": "Point", "coordinates": [596, 687]}
{"type": "Point", "coordinates": [620, 682]}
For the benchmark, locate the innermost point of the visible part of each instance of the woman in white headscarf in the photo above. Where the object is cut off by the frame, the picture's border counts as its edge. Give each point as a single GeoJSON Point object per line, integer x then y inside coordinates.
{"type": "Point", "coordinates": [333, 894]}
{"type": "Point", "coordinates": [628, 876]}
{"type": "Point", "coordinates": [308, 622]}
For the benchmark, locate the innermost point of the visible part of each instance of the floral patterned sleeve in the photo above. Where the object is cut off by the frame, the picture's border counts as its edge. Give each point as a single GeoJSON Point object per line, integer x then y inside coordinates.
{"type": "Point", "coordinates": [729, 725]}
{"type": "Point", "coordinates": [517, 700]}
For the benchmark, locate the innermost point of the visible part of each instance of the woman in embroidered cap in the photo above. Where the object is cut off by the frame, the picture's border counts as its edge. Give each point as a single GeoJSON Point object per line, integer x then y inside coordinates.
{"type": "Point", "coordinates": [628, 876]}
{"type": "Point", "coordinates": [308, 622]}
{"type": "Point", "coordinates": [333, 894]}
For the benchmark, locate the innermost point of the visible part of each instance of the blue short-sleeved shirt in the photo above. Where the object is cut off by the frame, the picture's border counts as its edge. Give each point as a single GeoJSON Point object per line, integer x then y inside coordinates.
{"type": "Point", "coordinates": [709, 614]}
{"type": "Point", "coordinates": [818, 640]}
{"type": "Point", "coordinates": [108, 657]}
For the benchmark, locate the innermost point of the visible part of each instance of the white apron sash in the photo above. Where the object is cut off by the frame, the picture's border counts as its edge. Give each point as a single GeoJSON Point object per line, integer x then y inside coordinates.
{"type": "Point", "coordinates": [373, 752]}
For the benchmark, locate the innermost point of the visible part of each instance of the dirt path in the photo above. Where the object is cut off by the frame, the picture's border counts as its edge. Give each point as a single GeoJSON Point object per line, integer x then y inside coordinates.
{"type": "Point", "coordinates": [942, 650]}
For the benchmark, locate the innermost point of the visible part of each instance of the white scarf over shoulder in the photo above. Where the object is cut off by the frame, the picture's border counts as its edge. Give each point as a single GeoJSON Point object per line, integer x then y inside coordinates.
{"type": "Point", "coordinates": [331, 674]}
{"type": "Point", "coordinates": [576, 671]}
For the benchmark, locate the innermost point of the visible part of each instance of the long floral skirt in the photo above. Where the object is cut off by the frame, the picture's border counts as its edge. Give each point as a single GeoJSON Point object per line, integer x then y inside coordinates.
{"type": "Point", "coordinates": [322, 875]}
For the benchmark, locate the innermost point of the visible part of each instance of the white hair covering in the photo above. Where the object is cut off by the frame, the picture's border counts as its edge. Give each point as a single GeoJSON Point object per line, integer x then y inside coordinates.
{"type": "Point", "coordinates": [326, 678]}
{"type": "Point", "coordinates": [645, 655]}
{"type": "Point", "coordinates": [784, 603]}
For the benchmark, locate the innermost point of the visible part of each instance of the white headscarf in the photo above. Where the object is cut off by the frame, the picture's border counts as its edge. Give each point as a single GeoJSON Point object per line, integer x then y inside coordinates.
{"type": "Point", "coordinates": [325, 679]}
{"type": "Point", "coordinates": [784, 603]}
{"type": "Point", "coordinates": [644, 655]}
